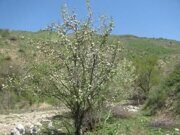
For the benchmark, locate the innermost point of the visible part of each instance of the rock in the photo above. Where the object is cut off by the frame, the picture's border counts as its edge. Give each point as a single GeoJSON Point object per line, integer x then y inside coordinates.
{"type": "Point", "coordinates": [18, 130]}
{"type": "Point", "coordinates": [15, 132]}
{"type": "Point", "coordinates": [34, 129]}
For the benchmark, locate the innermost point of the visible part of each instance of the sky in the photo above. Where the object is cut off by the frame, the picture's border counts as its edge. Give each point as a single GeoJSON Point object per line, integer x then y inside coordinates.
{"type": "Point", "coordinates": [144, 18]}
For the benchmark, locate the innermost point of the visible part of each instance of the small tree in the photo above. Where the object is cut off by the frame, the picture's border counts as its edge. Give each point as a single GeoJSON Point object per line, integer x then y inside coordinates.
{"type": "Point", "coordinates": [81, 64]}
{"type": "Point", "coordinates": [148, 72]}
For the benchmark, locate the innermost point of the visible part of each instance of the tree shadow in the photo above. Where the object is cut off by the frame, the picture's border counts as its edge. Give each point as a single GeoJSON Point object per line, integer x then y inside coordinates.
{"type": "Point", "coordinates": [65, 115]}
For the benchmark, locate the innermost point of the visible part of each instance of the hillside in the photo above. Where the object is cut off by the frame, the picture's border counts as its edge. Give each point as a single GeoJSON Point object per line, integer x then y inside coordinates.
{"type": "Point", "coordinates": [156, 88]}
{"type": "Point", "coordinates": [17, 50]}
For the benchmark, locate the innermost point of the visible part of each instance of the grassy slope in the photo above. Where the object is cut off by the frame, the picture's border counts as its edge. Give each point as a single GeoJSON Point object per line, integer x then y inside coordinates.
{"type": "Point", "coordinates": [17, 49]}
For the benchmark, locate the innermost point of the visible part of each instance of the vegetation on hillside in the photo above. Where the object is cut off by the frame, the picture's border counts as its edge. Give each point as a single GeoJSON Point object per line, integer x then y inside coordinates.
{"type": "Point", "coordinates": [85, 69]}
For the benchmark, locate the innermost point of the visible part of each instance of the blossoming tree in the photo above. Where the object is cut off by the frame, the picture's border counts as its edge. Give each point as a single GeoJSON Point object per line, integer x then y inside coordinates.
{"type": "Point", "coordinates": [84, 64]}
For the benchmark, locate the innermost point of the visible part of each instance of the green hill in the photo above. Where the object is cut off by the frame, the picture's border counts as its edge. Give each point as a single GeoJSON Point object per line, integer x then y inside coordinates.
{"type": "Point", "coordinates": [156, 88]}
{"type": "Point", "coordinates": [18, 50]}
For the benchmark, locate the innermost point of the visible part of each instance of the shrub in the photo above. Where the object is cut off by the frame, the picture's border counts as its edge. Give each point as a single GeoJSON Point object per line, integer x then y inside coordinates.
{"type": "Point", "coordinates": [12, 38]}
{"type": "Point", "coordinates": [78, 68]}
{"type": "Point", "coordinates": [82, 69]}
{"type": "Point", "coordinates": [167, 95]}
{"type": "Point", "coordinates": [147, 77]}
{"type": "Point", "coordinates": [4, 33]}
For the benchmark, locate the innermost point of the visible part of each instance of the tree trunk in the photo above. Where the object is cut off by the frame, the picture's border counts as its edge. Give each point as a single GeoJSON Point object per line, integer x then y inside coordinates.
{"type": "Point", "coordinates": [78, 118]}
{"type": "Point", "coordinates": [78, 125]}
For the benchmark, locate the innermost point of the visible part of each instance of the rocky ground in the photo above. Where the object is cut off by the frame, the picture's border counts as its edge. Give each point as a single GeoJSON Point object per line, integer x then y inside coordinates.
{"type": "Point", "coordinates": [43, 114]}
{"type": "Point", "coordinates": [35, 118]}
{"type": "Point", "coordinates": [28, 119]}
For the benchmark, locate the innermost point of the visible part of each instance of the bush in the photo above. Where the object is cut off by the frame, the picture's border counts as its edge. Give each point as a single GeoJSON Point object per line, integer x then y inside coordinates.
{"type": "Point", "coordinates": [168, 94]}
{"type": "Point", "coordinates": [12, 38]}
{"type": "Point", "coordinates": [4, 33]}
{"type": "Point", "coordinates": [155, 101]}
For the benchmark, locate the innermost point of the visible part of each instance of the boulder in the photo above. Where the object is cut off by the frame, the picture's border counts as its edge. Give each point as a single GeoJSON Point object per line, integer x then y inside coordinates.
{"type": "Point", "coordinates": [18, 130]}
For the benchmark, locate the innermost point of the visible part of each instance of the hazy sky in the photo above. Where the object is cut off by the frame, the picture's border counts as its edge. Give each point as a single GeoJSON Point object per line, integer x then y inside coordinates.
{"type": "Point", "coordinates": [147, 18]}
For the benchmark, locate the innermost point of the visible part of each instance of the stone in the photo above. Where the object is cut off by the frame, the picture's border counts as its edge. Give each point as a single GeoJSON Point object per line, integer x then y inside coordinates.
{"type": "Point", "coordinates": [18, 130]}
{"type": "Point", "coordinates": [34, 129]}
{"type": "Point", "coordinates": [15, 132]}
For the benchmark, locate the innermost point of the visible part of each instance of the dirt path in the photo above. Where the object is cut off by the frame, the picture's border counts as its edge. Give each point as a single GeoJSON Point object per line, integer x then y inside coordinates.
{"type": "Point", "coordinates": [8, 122]}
